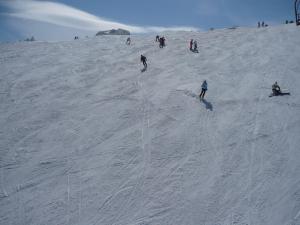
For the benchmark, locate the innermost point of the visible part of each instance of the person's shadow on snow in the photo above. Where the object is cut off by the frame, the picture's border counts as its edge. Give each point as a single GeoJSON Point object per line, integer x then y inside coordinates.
{"type": "Point", "coordinates": [208, 105]}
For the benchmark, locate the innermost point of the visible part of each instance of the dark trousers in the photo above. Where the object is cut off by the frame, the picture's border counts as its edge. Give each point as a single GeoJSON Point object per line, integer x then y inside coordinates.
{"type": "Point", "coordinates": [144, 63]}
{"type": "Point", "coordinates": [202, 93]}
{"type": "Point", "coordinates": [276, 91]}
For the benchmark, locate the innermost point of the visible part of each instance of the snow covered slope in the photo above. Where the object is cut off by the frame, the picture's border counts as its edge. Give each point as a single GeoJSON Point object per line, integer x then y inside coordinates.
{"type": "Point", "coordinates": [86, 138]}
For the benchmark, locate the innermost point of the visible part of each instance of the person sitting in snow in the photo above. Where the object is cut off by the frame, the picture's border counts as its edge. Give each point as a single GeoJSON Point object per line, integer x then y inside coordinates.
{"type": "Point", "coordinates": [276, 89]}
{"type": "Point", "coordinates": [204, 89]}
{"type": "Point", "coordinates": [144, 61]}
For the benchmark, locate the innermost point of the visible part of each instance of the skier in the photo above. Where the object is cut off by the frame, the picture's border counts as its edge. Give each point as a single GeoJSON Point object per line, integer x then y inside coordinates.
{"type": "Point", "coordinates": [276, 89]}
{"type": "Point", "coordinates": [128, 41]}
{"type": "Point", "coordinates": [195, 46]}
{"type": "Point", "coordinates": [204, 89]}
{"type": "Point", "coordinates": [157, 38]}
{"type": "Point", "coordinates": [263, 24]}
{"type": "Point", "coordinates": [144, 61]}
{"type": "Point", "coordinates": [258, 24]}
{"type": "Point", "coordinates": [162, 42]}
{"type": "Point", "coordinates": [191, 44]}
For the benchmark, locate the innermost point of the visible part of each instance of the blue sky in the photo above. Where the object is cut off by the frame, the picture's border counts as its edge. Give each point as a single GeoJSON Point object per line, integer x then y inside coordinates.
{"type": "Point", "coordinates": [62, 19]}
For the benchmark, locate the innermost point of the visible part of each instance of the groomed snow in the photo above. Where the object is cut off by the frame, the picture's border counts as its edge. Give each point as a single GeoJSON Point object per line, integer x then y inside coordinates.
{"type": "Point", "coordinates": [87, 139]}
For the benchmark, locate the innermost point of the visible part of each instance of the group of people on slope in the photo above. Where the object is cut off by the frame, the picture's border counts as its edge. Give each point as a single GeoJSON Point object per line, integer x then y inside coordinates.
{"type": "Point", "coordinates": [204, 87]}
{"type": "Point", "coordinates": [261, 24]}
{"type": "Point", "coordinates": [161, 40]}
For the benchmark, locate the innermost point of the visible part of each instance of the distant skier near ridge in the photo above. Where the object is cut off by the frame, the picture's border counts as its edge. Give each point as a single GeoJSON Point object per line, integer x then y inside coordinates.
{"type": "Point", "coordinates": [144, 61]}
{"type": "Point", "coordinates": [162, 42]}
{"type": "Point", "coordinates": [157, 38]}
{"type": "Point", "coordinates": [191, 44]}
{"type": "Point", "coordinates": [195, 46]}
{"type": "Point", "coordinates": [128, 41]}
{"type": "Point", "coordinates": [204, 89]}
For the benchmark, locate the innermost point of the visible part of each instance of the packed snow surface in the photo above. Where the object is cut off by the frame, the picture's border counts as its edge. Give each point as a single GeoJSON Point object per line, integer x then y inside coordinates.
{"type": "Point", "coordinates": [87, 139]}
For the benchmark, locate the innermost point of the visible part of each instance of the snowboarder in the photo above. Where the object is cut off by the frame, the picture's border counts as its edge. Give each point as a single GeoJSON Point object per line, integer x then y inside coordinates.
{"type": "Point", "coordinates": [276, 89]}
{"type": "Point", "coordinates": [191, 44]}
{"type": "Point", "coordinates": [204, 89]}
{"type": "Point", "coordinates": [128, 41]}
{"type": "Point", "coordinates": [144, 61]}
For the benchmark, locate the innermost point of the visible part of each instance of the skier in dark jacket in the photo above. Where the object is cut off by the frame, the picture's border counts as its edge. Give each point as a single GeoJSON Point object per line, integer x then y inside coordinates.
{"type": "Point", "coordinates": [144, 61]}
{"type": "Point", "coordinates": [204, 89]}
{"type": "Point", "coordinates": [191, 44]}
{"type": "Point", "coordinates": [157, 38]}
{"type": "Point", "coordinates": [162, 42]}
{"type": "Point", "coordinates": [195, 46]}
{"type": "Point", "coordinates": [128, 41]}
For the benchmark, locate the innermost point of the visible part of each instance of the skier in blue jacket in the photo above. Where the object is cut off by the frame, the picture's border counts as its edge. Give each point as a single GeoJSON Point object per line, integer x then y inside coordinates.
{"type": "Point", "coordinates": [204, 89]}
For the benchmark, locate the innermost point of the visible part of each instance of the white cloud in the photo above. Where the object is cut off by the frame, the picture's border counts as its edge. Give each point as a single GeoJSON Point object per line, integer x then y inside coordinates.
{"type": "Point", "coordinates": [66, 16]}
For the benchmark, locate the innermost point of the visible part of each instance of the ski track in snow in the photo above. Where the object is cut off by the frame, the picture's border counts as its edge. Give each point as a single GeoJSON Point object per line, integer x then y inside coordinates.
{"type": "Point", "coordinates": [86, 138]}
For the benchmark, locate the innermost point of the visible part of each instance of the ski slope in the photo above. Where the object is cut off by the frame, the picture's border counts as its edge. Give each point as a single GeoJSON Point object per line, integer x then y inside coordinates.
{"type": "Point", "coordinates": [87, 139]}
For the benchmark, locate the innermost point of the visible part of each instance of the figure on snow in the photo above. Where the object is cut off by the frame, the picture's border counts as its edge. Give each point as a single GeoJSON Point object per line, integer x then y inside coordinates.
{"type": "Point", "coordinates": [128, 41]}
{"type": "Point", "coordinates": [276, 89]}
{"type": "Point", "coordinates": [204, 89]}
{"type": "Point", "coordinates": [191, 44]}
{"type": "Point", "coordinates": [144, 61]}
{"type": "Point", "coordinates": [157, 38]}
{"type": "Point", "coordinates": [195, 46]}
{"type": "Point", "coordinates": [162, 42]}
